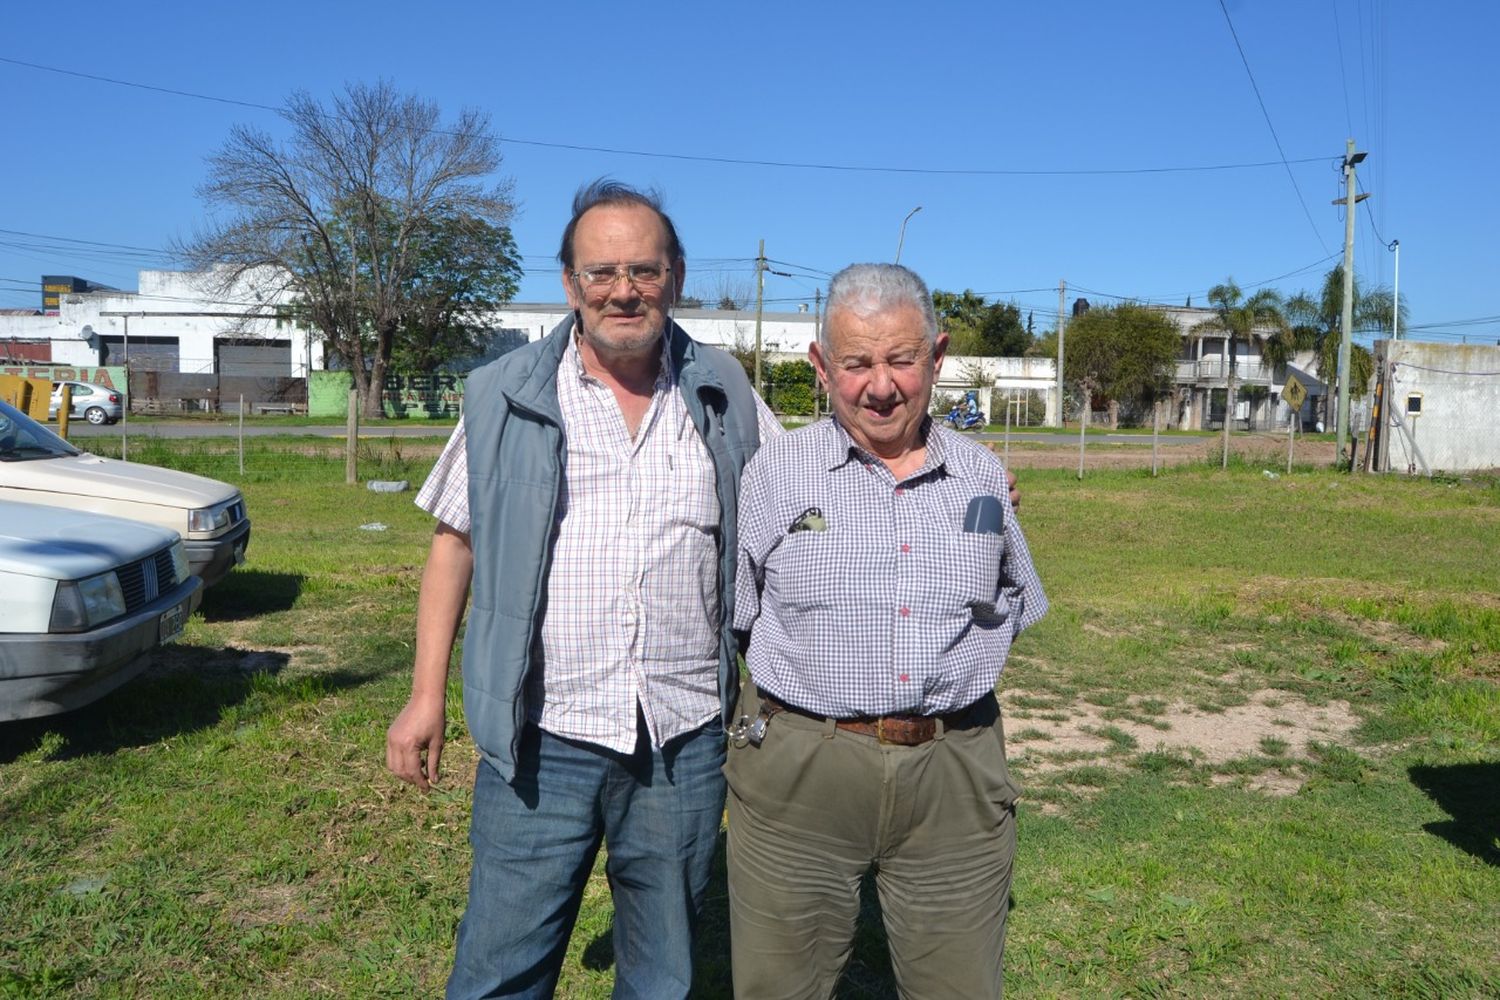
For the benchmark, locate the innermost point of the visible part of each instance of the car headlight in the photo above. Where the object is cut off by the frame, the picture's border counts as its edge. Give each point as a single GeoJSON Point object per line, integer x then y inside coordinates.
{"type": "Point", "coordinates": [209, 518]}
{"type": "Point", "coordinates": [179, 562]}
{"type": "Point", "coordinates": [79, 605]}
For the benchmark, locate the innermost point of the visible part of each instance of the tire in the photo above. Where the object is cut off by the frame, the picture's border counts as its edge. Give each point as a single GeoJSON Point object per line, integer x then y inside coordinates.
{"type": "Point", "coordinates": [96, 415]}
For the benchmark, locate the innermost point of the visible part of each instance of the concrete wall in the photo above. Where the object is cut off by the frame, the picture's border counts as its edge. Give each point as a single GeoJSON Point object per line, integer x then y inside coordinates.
{"type": "Point", "coordinates": [1458, 428]}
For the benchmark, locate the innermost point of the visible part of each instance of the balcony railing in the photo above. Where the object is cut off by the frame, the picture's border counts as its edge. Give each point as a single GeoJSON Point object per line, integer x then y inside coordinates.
{"type": "Point", "coordinates": [1211, 370]}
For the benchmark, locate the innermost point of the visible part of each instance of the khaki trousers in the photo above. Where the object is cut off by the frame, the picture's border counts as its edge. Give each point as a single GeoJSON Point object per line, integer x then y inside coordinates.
{"type": "Point", "coordinates": [813, 808]}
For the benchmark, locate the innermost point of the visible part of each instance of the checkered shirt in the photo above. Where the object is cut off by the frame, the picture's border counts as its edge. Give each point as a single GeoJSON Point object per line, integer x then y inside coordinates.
{"type": "Point", "coordinates": [632, 598]}
{"type": "Point", "coordinates": [891, 607]}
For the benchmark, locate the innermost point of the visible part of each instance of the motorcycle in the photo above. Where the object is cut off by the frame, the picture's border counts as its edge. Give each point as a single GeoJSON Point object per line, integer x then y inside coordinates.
{"type": "Point", "coordinates": [961, 419]}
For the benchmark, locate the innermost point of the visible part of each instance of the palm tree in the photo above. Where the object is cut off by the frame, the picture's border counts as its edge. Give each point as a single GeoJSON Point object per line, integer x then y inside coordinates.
{"type": "Point", "coordinates": [1242, 318]}
{"type": "Point", "coordinates": [1316, 320]}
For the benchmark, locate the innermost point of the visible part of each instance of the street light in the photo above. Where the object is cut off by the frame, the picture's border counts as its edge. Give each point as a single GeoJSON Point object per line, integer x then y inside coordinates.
{"type": "Point", "coordinates": [902, 238]}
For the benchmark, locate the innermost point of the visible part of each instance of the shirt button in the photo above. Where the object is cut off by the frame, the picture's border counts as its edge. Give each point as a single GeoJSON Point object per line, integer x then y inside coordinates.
{"type": "Point", "coordinates": [905, 612]}
{"type": "Point", "coordinates": [905, 677]}
{"type": "Point", "coordinates": [905, 547]}
{"type": "Point", "coordinates": [900, 490]}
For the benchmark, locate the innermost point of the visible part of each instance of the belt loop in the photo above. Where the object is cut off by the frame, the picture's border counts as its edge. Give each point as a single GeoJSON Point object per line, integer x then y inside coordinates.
{"type": "Point", "coordinates": [941, 728]}
{"type": "Point", "coordinates": [830, 726]}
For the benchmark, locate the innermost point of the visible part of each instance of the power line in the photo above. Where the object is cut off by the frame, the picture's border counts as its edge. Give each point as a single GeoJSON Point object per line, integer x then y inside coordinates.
{"type": "Point", "coordinates": [1338, 33]}
{"type": "Point", "coordinates": [1277, 139]}
{"type": "Point", "coordinates": [727, 160]}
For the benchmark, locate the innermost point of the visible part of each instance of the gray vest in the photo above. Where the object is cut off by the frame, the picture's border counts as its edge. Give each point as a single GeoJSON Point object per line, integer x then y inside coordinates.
{"type": "Point", "coordinates": [516, 451]}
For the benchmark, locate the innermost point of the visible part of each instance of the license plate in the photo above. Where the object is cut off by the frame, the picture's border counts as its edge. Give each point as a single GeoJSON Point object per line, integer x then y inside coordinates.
{"type": "Point", "coordinates": [171, 623]}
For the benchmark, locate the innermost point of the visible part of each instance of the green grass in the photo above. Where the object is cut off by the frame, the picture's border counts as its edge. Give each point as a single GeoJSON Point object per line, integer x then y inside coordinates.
{"type": "Point", "coordinates": [223, 825]}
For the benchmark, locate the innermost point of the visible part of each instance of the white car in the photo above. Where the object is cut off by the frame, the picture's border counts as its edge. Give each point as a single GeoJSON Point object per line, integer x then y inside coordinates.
{"type": "Point", "coordinates": [86, 597]}
{"type": "Point", "coordinates": [37, 466]}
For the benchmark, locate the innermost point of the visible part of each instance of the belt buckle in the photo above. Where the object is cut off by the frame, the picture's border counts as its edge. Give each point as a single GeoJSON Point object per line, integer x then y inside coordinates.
{"type": "Point", "coordinates": [903, 731]}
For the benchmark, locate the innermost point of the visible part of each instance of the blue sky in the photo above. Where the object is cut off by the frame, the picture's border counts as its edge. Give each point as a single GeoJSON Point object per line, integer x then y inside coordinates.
{"type": "Point", "coordinates": [1021, 130]}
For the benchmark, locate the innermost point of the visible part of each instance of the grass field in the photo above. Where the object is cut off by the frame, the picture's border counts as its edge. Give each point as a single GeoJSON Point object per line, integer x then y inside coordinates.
{"type": "Point", "coordinates": [1259, 736]}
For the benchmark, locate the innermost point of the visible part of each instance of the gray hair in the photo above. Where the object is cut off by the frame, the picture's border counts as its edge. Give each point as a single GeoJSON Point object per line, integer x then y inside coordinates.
{"type": "Point", "coordinates": [871, 288]}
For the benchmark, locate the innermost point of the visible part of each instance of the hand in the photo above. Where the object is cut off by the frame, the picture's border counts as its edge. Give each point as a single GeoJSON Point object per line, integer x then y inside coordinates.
{"type": "Point", "coordinates": [1015, 494]}
{"type": "Point", "coordinates": [418, 729]}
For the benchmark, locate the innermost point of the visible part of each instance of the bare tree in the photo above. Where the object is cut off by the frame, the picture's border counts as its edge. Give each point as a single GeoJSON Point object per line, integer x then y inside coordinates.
{"type": "Point", "coordinates": [349, 212]}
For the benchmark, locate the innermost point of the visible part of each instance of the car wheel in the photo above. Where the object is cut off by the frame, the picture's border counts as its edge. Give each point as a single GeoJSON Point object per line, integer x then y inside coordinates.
{"type": "Point", "coordinates": [96, 415]}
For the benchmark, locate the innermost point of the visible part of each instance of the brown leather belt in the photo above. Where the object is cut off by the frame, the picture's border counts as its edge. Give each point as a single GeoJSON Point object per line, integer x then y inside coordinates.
{"type": "Point", "coordinates": [900, 730]}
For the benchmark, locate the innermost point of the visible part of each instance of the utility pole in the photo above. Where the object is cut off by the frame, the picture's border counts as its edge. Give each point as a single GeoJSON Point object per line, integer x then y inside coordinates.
{"type": "Point", "coordinates": [1351, 159]}
{"type": "Point", "coordinates": [1396, 293]}
{"type": "Point", "coordinates": [760, 298]}
{"type": "Point", "coordinates": [817, 338]}
{"type": "Point", "coordinates": [1062, 291]}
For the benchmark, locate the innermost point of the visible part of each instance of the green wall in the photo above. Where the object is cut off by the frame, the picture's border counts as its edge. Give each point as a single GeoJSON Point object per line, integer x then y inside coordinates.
{"type": "Point", "coordinates": [413, 397]}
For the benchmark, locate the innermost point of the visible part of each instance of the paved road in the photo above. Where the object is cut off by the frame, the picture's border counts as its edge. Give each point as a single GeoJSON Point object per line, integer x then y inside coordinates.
{"type": "Point", "coordinates": [79, 430]}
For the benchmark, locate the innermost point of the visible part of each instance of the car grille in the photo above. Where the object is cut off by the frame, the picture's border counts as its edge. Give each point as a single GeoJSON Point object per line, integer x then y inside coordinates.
{"type": "Point", "coordinates": [143, 582]}
{"type": "Point", "coordinates": [236, 512]}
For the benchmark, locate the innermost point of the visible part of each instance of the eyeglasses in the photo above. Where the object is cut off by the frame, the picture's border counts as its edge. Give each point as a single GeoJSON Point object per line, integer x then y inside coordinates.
{"type": "Point", "coordinates": [646, 277]}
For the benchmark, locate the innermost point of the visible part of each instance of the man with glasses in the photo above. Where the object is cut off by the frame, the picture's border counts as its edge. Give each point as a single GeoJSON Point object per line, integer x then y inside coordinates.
{"type": "Point", "coordinates": [589, 494]}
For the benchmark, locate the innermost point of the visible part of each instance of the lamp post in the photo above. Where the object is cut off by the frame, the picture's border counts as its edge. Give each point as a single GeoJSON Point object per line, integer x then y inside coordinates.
{"type": "Point", "coordinates": [902, 238]}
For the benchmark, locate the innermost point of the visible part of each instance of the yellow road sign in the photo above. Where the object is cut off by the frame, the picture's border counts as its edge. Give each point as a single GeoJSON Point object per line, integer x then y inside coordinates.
{"type": "Point", "coordinates": [1293, 393]}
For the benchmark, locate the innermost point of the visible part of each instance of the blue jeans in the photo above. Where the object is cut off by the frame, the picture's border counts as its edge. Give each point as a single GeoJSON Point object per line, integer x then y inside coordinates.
{"type": "Point", "coordinates": [535, 840]}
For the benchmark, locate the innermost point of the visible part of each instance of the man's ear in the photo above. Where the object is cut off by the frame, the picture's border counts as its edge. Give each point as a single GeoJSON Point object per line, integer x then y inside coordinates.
{"type": "Point", "coordinates": [815, 356]}
{"type": "Point", "coordinates": [570, 288]}
{"type": "Point", "coordinates": [679, 279]}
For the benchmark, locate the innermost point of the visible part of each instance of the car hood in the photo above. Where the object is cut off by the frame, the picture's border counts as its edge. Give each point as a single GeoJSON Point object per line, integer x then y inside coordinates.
{"type": "Point", "coordinates": [59, 544]}
{"type": "Point", "coordinates": [92, 475]}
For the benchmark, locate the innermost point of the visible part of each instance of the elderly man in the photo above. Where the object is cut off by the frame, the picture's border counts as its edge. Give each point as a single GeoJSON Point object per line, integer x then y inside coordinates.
{"type": "Point", "coordinates": [590, 495]}
{"type": "Point", "coordinates": [882, 576]}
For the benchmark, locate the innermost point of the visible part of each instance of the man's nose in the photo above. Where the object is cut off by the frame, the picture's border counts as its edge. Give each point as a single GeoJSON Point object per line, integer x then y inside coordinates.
{"type": "Point", "coordinates": [882, 384]}
{"type": "Point", "coordinates": [622, 289]}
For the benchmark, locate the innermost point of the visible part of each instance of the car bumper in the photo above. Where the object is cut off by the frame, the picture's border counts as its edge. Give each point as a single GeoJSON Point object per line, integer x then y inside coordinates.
{"type": "Point", "coordinates": [214, 557]}
{"type": "Point", "coordinates": [47, 674]}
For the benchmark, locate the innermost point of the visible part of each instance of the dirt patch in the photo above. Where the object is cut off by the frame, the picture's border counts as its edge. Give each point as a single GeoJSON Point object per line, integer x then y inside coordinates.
{"type": "Point", "coordinates": [1041, 743]}
{"type": "Point", "coordinates": [1267, 449]}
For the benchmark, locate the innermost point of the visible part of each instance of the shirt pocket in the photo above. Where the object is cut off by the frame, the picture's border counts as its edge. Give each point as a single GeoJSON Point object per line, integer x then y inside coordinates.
{"type": "Point", "coordinates": [974, 577]}
{"type": "Point", "coordinates": [805, 569]}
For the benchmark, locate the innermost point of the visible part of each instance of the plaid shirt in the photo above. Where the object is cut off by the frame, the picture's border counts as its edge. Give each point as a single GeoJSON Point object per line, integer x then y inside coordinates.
{"type": "Point", "coordinates": [632, 608]}
{"type": "Point", "coordinates": [880, 602]}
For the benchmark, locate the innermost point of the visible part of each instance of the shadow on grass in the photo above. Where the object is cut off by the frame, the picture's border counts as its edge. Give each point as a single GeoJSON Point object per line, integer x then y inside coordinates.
{"type": "Point", "coordinates": [247, 593]}
{"type": "Point", "coordinates": [186, 688]}
{"type": "Point", "coordinates": [1470, 793]}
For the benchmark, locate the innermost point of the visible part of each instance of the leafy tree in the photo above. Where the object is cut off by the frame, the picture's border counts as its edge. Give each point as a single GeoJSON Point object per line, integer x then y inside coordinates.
{"type": "Point", "coordinates": [1317, 320]}
{"type": "Point", "coordinates": [1243, 319]}
{"type": "Point", "coordinates": [375, 214]}
{"type": "Point", "coordinates": [1126, 353]}
{"type": "Point", "coordinates": [790, 386]}
{"type": "Point", "coordinates": [464, 268]}
{"type": "Point", "coordinates": [976, 327]}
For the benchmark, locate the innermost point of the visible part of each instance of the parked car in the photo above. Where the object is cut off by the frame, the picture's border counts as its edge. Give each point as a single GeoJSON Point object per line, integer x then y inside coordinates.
{"type": "Point", "coordinates": [98, 404]}
{"type": "Point", "coordinates": [37, 466]}
{"type": "Point", "coordinates": [86, 597]}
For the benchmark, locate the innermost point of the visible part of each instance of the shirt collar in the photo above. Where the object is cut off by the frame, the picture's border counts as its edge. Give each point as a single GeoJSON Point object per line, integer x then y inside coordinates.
{"type": "Point", "coordinates": [839, 449]}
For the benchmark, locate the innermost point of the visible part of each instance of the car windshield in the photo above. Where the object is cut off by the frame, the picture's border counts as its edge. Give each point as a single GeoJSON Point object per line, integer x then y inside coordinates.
{"type": "Point", "coordinates": [23, 439]}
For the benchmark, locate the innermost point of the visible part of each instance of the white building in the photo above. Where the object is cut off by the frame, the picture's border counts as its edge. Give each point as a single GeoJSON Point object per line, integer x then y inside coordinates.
{"type": "Point", "coordinates": [179, 322]}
